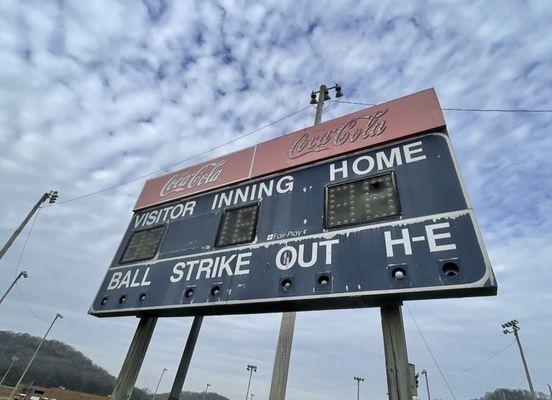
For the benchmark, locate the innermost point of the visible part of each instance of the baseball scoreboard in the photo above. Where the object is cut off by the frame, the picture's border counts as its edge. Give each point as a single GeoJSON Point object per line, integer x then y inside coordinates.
{"type": "Point", "coordinates": [359, 210]}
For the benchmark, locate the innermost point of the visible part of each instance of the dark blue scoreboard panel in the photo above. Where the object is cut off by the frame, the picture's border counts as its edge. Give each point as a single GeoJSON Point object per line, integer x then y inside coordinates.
{"type": "Point", "coordinates": [390, 223]}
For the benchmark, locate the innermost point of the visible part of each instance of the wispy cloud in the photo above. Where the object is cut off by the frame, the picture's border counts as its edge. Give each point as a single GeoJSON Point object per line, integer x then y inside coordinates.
{"type": "Point", "coordinates": [95, 93]}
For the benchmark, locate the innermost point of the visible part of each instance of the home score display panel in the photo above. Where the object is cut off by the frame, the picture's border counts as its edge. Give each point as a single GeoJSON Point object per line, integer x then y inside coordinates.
{"type": "Point", "coordinates": [390, 223]}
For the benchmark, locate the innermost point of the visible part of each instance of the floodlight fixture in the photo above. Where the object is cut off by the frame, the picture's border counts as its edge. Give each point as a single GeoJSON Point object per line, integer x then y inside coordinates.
{"type": "Point", "coordinates": [53, 196]}
{"type": "Point", "coordinates": [338, 91]}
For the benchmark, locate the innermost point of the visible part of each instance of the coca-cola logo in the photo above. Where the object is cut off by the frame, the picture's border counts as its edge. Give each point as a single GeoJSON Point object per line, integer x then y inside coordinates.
{"type": "Point", "coordinates": [359, 128]}
{"type": "Point", "coordinates": [208, 173]}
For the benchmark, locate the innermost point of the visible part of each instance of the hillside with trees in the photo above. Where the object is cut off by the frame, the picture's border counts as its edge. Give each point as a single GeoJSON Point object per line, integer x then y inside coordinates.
{"type": "Point", "coordinates": [58, 364]}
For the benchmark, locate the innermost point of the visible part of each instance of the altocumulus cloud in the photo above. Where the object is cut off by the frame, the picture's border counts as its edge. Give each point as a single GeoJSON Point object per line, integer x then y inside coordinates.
{"type": "Point", "coordinates": [93, 94]}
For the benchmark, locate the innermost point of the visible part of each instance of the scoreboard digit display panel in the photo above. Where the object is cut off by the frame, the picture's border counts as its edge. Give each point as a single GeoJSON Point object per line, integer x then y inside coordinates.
{"type": "Point", "coordinates": [387, 221]}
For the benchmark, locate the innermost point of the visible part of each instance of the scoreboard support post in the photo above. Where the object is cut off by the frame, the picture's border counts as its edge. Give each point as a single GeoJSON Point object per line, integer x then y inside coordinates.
{"type": "Point", "coordinates": [396, 356]}
{"type": "Point", "coordinates": [134, 358]}
{"type": "Point", "coordinates": [186, 358]}
{"type": "Point", "coordinates": [282, 358]}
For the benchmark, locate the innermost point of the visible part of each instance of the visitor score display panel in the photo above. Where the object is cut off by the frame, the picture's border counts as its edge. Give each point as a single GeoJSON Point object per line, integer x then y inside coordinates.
{"type": "Point", "coordinates": [384, 223]}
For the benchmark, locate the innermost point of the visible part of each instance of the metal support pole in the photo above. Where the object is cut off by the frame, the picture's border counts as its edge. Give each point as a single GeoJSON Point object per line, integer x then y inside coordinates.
{"type": "Point", "coordinates": [248, 384]}
{"type": "Point", "coordinates": [550, 390]}
{"type": "Point", "coordinates": [21, 274]}
{"type": "Point", "coordinates": [186, 358]}
{"type": "Point", "coordinates": [33, 357]}
{"type": "Point", "coordinates": [396, 356]}
{"type": "Point", "coordinates": [251, 368]}
{"type": "Point", "coordinates": [285, 338]}
{"type": "Point", "coordinates": [14, 359]}
{"type": "Point", "coordinates": [159, 383]}
{"type": "Point", "coordinates": [533, 394]}
{"type": "Point", "coordinates": [22, 225]}
{"type": "Point", "coordinates": [358, 379]}
{"type": "Point", "coordinates": [134, 358]}
{"type": "Point", "coordinates": [427, 384]}
{"type": "Point", "coordinates": [206, 389]}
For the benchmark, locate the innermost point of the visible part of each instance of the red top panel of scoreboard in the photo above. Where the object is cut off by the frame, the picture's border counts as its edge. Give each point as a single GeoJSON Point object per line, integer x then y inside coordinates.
{"type": "Point", "coordinates": [387, 122]}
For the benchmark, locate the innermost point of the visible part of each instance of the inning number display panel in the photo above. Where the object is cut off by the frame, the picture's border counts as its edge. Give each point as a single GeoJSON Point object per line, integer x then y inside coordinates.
{"type": "Point", "coordinates": [390, 223]}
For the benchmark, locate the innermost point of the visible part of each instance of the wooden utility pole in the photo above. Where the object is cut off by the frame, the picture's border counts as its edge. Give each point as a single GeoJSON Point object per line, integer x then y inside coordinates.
{"type": "Point", "coordinates": [287, 325]}
{"type": "Point", "coordinates": [396, 356]}
{"type": "Point", "coordinates": [15, 234]}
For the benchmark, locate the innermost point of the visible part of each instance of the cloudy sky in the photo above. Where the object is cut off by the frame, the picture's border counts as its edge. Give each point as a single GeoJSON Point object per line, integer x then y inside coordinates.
{"type": "Point", "coordinates": [96, 93]}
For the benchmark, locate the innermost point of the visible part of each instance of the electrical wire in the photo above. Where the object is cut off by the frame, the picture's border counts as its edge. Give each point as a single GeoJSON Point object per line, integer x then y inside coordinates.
{"type": "Point", "coordinates": [484, 361]}
{"type": "Point", "coordinates": [19, 265]}
{"type": "Point", "coordinates": [86, 195]}
{"type": "Point", "coordinates": [26, 241]}
{"type": "Point", "coordinates": [430, 352]}
{"type": "Point", "coordinates": [504, 110]}
{"type": "Point", "coordinates": [182, 161]}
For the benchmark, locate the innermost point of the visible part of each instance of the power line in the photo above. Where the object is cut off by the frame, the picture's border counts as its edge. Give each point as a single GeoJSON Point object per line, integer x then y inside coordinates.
{"type": "Point", "coordinates": [27, 304]}
{"type": "Point", "coordinates": [484, 361]}
{"type": "Point", "coordinates": [19, 264]}
{"type": "Point", "coordinates": [430, 352]}
{"type": "Point", "coordinates": [26, 241]}
{"type": "Point", "coordinates": [505, 110]}
{"type": "Point", "coordinates": [184, 160]}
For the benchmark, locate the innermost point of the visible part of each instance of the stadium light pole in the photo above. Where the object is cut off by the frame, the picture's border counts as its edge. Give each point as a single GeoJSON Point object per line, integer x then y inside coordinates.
{"type": "Point", "coordinates": [13, 360]}
{"type": "Point", "coordinates": [287, 325]}
{"type": "Point", "coordinates": [206, 389]}
{"type": "Point", "coordinates": [52, 195]}
{"type": "Point", "coordinates": [358, 379]}
{"type": "Point", "coordinates": [158, 383]}
{"type": "Point", "coordinates": [513, 327]}
{"type": "Point", "coordinates": [424, 373]}
{"type": "Point", "coordinates": [21, 274]}
{"type": "Point", "coordinates": [251, 368]}
{"type": "Point", "coordinates": [34, 355]}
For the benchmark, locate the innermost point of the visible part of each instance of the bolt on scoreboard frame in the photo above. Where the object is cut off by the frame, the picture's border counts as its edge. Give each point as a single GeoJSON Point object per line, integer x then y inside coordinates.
{"type": "Point", "coordinates": [356, 211]}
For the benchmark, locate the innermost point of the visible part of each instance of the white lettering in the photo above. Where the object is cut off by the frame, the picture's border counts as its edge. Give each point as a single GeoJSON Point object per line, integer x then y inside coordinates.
{"type": "Point", "coordinates": [301, 256]}
{"type": "Point", "coordinates": [404, 240]}
{"type": "Point", "coordinates": [285, 184]}
{"type": "Point", "coordinates": [126, 280]}
{"type": "Point", "coordinates": [394, 158]}
{"type": "Point", "coordinates": [432, 237]}
{"type": "Point", "coordinates": [328, 245]}
{"type": "Point", "coordinates": [145, 281]}
{"type": "Point", "coordinates": [343, 170]}
{"type": "Point", "coordinates": [225, 265]}
{"type": "Point", "coordinates": [409, 151]}
{"type": "Point", "coordinates": [369, 168]}
{"type": "Point", "coordinates": [115, 279]}
{"type": "Point", "coordinates": [134, 282]}
{"type": "Point", "coordinates": [286, 258]}
{"type": "Point", "coordinates": [204, 266]}
{"type": "Point", "coordinates": [242, 262]}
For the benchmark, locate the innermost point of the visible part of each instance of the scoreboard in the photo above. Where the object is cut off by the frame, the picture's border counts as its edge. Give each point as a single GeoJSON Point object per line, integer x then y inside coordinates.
{"type": "Point", "coordinates": [354, 212]}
